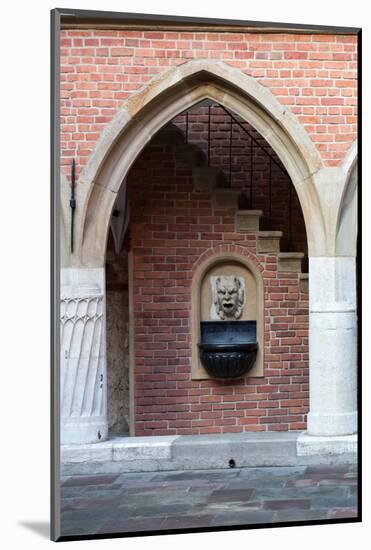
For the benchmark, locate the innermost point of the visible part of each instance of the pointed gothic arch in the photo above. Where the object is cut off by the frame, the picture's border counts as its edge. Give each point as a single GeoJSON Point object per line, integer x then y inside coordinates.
{"type": "Point", "coordinates": [146, 111]}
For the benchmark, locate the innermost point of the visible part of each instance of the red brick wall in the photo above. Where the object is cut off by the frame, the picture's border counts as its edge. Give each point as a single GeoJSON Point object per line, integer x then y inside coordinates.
{"type": "Point", "coordinates": [172, 228]}
{"type": "Point", "coordinates": [314, 75]}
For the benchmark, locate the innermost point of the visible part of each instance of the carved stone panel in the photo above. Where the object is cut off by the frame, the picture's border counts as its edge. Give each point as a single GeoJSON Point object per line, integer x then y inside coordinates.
{"type": "Point", "coordinates": [228, 292]}
{"type": "Point", "coordinates": [239, 286]}
{"type": "Point", "coordinates": [82, 375]}
{"type": "Point", "coordinates": [83, 390]}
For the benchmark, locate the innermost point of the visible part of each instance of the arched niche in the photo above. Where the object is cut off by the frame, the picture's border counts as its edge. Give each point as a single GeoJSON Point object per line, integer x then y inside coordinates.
{"type": "Point", "coordinates": [226, 263]}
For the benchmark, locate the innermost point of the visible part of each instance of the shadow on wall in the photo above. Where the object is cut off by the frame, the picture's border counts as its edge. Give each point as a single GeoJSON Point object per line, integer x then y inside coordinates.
{"type": "Point", "coordinates": [41, 528]}
{"type": "Point", "coordinates": [117, 330]}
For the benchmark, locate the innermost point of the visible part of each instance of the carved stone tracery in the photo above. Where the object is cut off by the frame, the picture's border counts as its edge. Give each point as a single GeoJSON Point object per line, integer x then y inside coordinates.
{"type": "Point", "coordinates": [82, 356]}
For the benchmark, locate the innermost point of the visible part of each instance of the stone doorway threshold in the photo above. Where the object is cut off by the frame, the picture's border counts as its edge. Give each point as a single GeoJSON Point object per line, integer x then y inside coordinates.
{"type": "Point", "coordinates": [197, 452]}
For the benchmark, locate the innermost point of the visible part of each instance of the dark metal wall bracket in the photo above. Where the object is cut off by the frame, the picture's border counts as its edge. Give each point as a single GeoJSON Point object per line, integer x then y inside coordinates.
{"type": "Point", "coordinates": [228, 349]}
{"type": "Point", "coordinates": [72, 201]}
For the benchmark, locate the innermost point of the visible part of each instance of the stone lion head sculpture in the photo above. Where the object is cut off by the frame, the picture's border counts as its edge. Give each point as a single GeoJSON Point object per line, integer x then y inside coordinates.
{"type": "Point", "coordinates": [229, 297]}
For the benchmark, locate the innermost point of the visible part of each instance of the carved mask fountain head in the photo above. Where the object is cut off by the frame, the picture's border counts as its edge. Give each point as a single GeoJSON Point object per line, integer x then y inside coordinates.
{"type": "Point", "coordinates": [229, 299]}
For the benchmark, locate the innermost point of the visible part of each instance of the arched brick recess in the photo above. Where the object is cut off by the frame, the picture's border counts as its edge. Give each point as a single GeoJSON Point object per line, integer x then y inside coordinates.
{"type": "Point", "coordinates": [210, 258]}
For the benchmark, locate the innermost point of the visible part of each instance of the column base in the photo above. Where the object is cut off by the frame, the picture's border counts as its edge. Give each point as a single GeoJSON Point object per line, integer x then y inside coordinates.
{"type": "Point", "coordinates": [309, 445]}
{"type": "Point", "coordinates": [77, 431]}
{"type": "Point", "coordinates": [332, 425]}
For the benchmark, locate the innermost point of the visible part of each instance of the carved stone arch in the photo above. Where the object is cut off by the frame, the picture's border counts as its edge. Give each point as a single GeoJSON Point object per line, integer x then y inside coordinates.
{"type": "Point", "coordinates": [146, 111]}
{"type": "Point", "coordinates": [346, 227]}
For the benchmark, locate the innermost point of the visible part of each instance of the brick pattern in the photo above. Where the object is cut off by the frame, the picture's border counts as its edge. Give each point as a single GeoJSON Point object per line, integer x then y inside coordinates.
{"type": "Point", "coordinates": [314, 75]}
{"type": "Point", "coordinates": [173, 228]}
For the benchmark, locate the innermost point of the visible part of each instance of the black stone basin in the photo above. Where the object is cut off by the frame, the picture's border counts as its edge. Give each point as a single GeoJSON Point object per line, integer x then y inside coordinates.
{"type": "Point", "coordinates": [228, 349]}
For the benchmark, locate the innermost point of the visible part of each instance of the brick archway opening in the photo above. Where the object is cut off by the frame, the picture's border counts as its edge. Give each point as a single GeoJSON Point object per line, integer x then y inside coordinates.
{"type": "Point", "coordinates": [191, 189]}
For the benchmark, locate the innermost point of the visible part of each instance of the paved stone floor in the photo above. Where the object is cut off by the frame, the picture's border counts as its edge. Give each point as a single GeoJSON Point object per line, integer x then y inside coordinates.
{"type": "Point", "coordinates": [108, 503]}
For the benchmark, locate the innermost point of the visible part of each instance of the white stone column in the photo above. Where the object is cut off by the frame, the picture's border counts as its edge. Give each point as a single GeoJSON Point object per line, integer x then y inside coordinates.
{"type": "Point", "coordinates": [83, 386]}
{"type": "Point", "coordinates": [332, 347]}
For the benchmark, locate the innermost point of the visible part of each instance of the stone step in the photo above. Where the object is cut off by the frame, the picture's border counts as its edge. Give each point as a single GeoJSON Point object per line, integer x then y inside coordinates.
{"type": "Point", "coordinates": [206, 178]}
{"type": "Point", "coordinates": [304, 282]}
{"type": "Point", "coordinates": [248, 220]}
{"type": "Point", "coordinates": [290, 261]}
{"type": "Point", "coordinates": [269, 241]}
{"type": "Point", "coordinates": [195, 452]}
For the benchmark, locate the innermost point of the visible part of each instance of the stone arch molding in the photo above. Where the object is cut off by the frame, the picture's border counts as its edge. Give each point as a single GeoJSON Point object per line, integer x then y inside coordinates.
{"type": "Point", "coordinates": [146, 111]}
{"type": "Point", "coordinates": [346, 225]}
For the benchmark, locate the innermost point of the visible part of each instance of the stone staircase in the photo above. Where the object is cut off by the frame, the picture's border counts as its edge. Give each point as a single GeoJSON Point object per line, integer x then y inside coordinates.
{"type": "Point", "coordinates": [205, 179]}
{"type": "Point", "coordinates": [209, 179]}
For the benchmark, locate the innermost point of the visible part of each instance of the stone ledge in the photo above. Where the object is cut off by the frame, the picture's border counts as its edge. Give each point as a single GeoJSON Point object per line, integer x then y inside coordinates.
{"type": "Point", "coordinates": [272, 234]}
{"type": "Point", "coordinates": [119, 449]}
{"type": "Point", "coordinates": [304, 282]}
{"type": "Point", "coordinates": [311, 445]}
{"type": "Point", "coordinates": [290, 262]}
{"type": "Point", "coordinates": [164, 453]}
{"type": "Point", "coordinates": [248, 220]}
{"type": "Point", "coordinates": [269, 241]}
